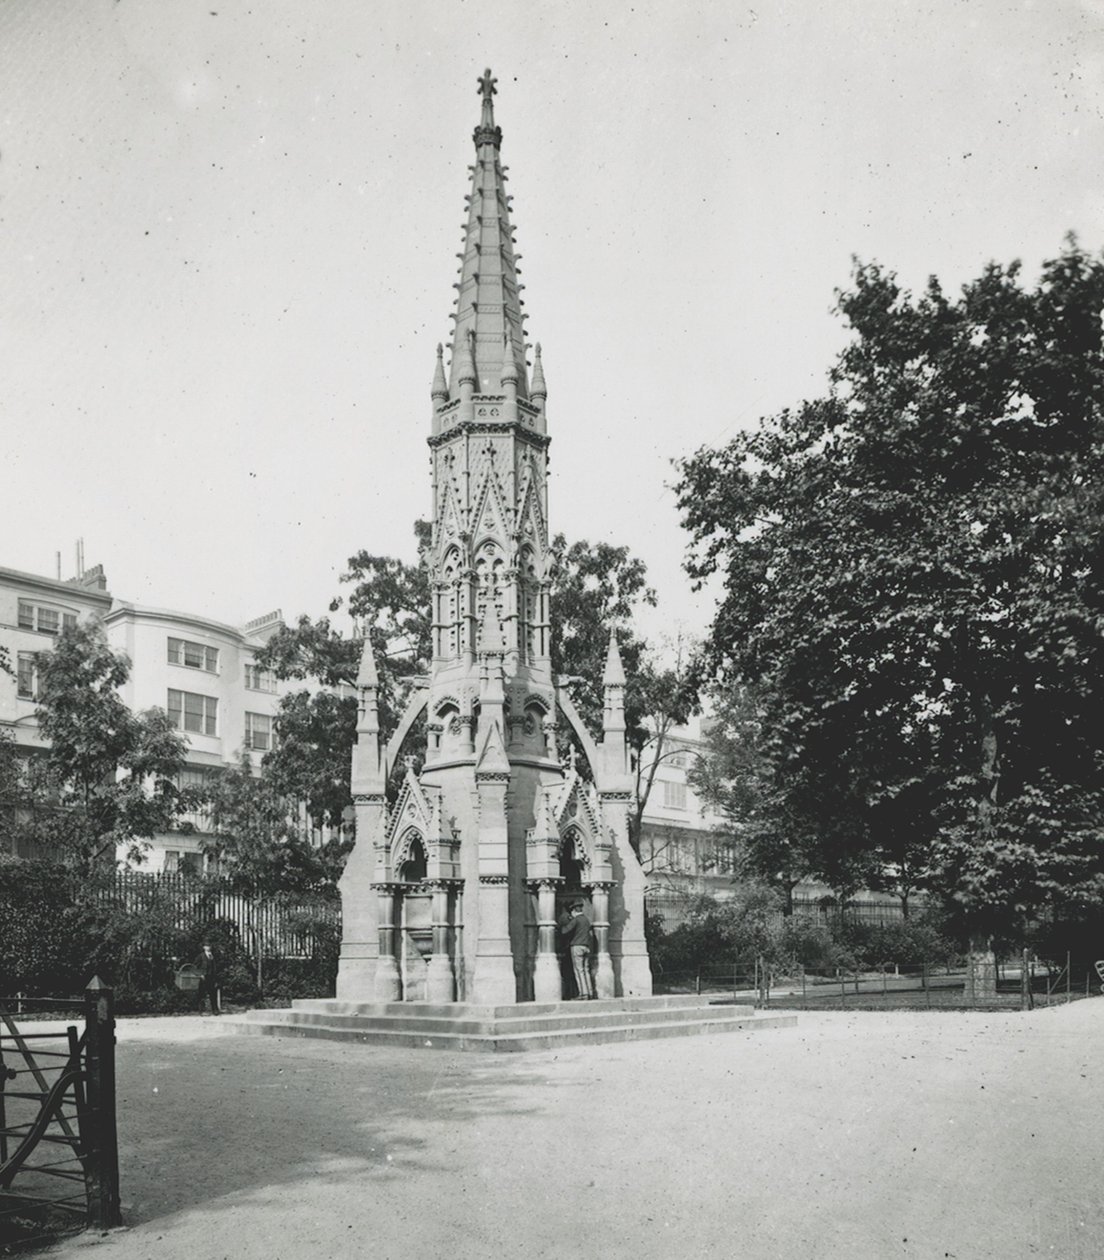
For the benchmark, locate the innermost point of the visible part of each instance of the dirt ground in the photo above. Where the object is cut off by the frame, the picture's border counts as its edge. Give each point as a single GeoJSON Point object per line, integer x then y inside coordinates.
{"type": "Point", "coordinates": [853, 1135]}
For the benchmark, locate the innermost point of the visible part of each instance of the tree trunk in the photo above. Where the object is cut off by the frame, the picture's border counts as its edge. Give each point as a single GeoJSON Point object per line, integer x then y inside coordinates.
{"type": "Point", "coordinates": [981, 962]}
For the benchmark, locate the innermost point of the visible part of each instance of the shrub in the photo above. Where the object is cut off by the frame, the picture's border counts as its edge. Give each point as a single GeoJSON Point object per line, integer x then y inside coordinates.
{"type": "Point", "coordinates": [907, 942]}
{"type": "Point", "coordinates": [42, 942]}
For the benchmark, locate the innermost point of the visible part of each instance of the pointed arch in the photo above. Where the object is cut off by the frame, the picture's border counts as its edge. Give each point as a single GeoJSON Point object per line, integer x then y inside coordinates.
{"type": "Point", "coordinates": [410, 860]}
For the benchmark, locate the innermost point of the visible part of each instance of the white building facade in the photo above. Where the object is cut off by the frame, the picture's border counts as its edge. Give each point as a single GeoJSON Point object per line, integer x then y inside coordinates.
{"type": "Point", "coordinates": [685, 847]}
{"type": "Point", "coordinates": [202, 672]}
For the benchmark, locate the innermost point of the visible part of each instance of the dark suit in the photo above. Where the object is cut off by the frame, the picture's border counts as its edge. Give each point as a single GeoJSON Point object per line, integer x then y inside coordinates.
{"type": "Point", "coordinates": [207, 966]}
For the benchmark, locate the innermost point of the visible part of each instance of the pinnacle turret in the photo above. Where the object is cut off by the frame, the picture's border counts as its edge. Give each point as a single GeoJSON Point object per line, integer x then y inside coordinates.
{"type": "Point", "coordinates": [488, 305]}
{"type": "Point", "coordinates": [539, 391]}
{"type": "Point", "coordinates": [510, 371]}
{"type": "Point", "coordinates": [439, 391]}
{"type": "Point", "coordinates": [367, 675]}
{"type": "Point", "coordinates": [614, 675]}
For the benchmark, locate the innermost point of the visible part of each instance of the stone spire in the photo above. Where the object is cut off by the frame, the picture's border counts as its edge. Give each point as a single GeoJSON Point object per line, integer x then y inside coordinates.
{"type": "Point", "coordinates": [488, 303]}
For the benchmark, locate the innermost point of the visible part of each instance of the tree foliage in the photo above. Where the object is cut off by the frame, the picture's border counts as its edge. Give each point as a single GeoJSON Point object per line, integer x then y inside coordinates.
{"type": "Point", "coordinates": [257, 839]}
{"type": "Point", "coordinates": [106, 777]}
{"type": "Point", "coordinates": [912, 571]}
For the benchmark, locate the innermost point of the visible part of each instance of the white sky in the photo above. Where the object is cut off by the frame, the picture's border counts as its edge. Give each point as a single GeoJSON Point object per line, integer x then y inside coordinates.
{"type": "Point", "coordinates": [228, 235]}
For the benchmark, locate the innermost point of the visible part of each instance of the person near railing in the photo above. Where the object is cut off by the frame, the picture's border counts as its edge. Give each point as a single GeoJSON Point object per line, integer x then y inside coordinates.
{"type": "Point", "coordinates": [206, 964]}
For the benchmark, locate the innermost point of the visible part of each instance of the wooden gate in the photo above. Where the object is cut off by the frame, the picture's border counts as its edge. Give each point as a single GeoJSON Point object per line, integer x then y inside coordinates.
{"type": "Point", "coordinates": [59, 1154]}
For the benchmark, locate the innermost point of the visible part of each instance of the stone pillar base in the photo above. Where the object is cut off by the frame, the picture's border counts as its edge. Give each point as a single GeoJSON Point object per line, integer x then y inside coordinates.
{"type": "Point", "coordinates": [636, 976]}
{"type": "Point", "coordinates": [547, 981]}
{"type": "Point", "coordinates": [440, 983]}
{"type": "Point", "coordinates": [604, 983]}
{"type": "Point", "coordinates": [356, 979]}
{"type": "Point", "coordinates": [494, 983]}
{"type": "Point", "coordinates": [388, 985]}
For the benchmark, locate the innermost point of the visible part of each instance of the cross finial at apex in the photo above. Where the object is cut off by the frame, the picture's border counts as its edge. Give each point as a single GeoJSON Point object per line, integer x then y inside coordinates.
{"type": "Point", "coordinates": [487, 83]}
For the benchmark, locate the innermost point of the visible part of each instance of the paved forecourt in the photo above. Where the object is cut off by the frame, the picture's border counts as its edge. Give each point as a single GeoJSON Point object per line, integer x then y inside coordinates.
{"type": "Point", "coordinates": [851, 1135]}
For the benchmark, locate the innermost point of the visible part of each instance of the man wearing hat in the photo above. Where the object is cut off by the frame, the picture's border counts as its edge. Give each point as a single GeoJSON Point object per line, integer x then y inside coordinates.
{"type": "Point", "coordinates": [207, 965]}
{"type": "Point", "coordinates": [576, 928]}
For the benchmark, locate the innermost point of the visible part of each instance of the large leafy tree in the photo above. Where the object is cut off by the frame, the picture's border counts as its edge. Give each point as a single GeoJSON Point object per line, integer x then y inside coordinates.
{"type": "Point", "coordinates": [257, 837]}
{"type": "Point", "coordinates": [106, 778]}
{"type": "Point", "coordinates": [912, 570]}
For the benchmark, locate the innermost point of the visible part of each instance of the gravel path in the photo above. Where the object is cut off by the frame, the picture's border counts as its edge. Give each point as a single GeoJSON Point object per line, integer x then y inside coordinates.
{"type": "Point", "coordinates": [853, 1135]}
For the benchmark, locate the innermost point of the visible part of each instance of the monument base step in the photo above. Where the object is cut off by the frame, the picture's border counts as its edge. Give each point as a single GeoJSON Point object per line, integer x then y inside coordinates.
{"type": "Point", "coordinates": [520, 1026]}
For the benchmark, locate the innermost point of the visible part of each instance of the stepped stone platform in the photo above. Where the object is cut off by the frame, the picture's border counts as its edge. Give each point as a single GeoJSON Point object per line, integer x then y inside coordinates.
{"type": "Point", "coordinates": [519, 1026]}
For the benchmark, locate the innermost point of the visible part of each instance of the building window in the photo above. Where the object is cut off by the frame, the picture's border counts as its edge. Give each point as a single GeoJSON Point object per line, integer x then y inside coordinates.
{"type": "Point", "coordinates": [44, 620]}
{"type": "Point", "coordinates": [198, 818]}
{"type": "Point", "coordinates": [27, 676]}
{"type": "Point", "coordinates": [674, 795]}
{"type": "Point", "coordinates": [189, 712]}
{"type": "Point", "coordinates": [178, 863]}
{"type": "Point", "coordinates": [258, 731]}
{"type": "Point", "coordinates": [680, 760]}
{"type": "Point", "coordinates": [258, 679]}
{"type": "Point", "coordinates": [193, 655]}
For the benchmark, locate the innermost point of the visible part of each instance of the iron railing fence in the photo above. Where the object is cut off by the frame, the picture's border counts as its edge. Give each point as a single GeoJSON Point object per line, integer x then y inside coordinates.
{"type": "Point", "coordinates": [269, 925]}
{"type": "Point", "coordinates": [1016, 985]}
{"type": "Point", "coordinates": [866, 910]}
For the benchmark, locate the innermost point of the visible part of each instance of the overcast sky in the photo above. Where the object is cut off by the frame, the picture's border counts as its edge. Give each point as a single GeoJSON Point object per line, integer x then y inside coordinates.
{"type": "Point", "coordinates": [228, 235]}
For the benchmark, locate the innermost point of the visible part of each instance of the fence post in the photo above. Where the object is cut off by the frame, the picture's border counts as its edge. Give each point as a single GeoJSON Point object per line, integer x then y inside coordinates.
{"type": "Point", "coordinates": [927, 990]}
{"type": "Point", "coordinates": [103, 1138]}
{"type": "Point", "coordinates": [804, 1004]}
{"type": "Point", "coordinates": [1025, 983]}
{"type": "Point", "coordinates": [1069, 997]}
{"type": "Point", "coordinates": [4, 1078]}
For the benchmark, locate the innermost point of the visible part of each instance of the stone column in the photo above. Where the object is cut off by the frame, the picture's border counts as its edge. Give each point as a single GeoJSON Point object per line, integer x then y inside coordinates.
{"type": "Point", "coordinates": [388, 981]}
{"type": "Point", "coordinates": [547, 981]}
{"type": "Point", "coordinates": [628, 947]}
{"type": "Point", "coordinates": [494, 982]}
{"type": "Point", "coordinates": [604, 983]}
{"type": "Point", "coordinates": [356, 968]}
{"type": "Point", "coordinates": [440, 978]}
{"type": "Point", "coordinates": [981, 970]}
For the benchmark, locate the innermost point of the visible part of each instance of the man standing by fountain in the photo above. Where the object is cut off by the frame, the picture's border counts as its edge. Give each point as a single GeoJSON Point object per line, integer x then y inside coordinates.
{"type": "Point", "coordinates": [577, 929]}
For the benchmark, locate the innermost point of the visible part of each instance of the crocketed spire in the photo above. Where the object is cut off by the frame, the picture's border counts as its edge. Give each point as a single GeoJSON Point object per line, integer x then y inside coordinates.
{"type": "Point", "coordinates": [488, 304]}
